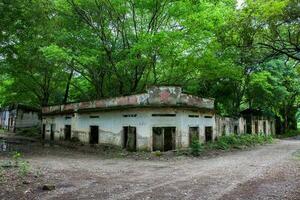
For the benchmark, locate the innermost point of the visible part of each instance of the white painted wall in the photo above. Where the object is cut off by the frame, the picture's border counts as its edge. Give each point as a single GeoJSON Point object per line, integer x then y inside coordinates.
{"type": "Point", "coordinates": [111, 125]}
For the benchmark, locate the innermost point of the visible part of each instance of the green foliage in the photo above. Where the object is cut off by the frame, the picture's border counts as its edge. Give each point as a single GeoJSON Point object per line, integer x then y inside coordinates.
{"type": "Point", "coordinates": [157, 153]}
{"type": "Point", "coordinates": [196, 147]}
{"type": "Point", "coordinates": [16, 157]}
{"type": "Point", "coordinates": [289, 133]}
{"type": "Point", "coordinates": [61, 51]}
{"type": "Point", "coordinates": [24, 168]}
{"type": "Point", "coordinates": [235, 141]}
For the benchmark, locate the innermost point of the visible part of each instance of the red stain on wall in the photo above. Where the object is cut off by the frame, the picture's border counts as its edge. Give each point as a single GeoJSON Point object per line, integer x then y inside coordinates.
{"type": "Point", "coordinates": [164, 96]}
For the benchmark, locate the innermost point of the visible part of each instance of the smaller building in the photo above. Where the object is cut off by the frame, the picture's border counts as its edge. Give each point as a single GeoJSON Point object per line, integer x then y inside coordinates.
{"type": "Point", "coordinates": [19, 117]}
{"type": "Point", "coordinates": [249, 121]}
{"type": "Point", "coordinates": [230, 125]}
{"type": "Point", "coordinates": [255, 122]}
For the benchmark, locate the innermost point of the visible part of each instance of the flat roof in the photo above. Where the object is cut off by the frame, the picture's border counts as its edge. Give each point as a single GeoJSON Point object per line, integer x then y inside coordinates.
{"type": "Point", "coordinates": [156, 96]}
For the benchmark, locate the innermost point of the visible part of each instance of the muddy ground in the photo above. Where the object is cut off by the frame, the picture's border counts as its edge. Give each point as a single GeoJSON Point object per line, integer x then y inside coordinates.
{"type": "Point", "coordinates": [265, 172]}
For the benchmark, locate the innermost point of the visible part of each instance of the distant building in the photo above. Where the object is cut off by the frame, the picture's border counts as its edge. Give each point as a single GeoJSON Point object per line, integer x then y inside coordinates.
{"type": "Point", "coordinates": [164, 118]}
{"type": "Point", "coordinates": [250, 121]}
{"type": "Point", "coordinates": [18, 117]}
{"type": "Point", "coordinates": [255, 121]}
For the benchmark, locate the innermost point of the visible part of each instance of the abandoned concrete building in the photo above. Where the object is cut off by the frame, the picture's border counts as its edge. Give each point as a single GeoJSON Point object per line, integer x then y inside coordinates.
{"type": "Point", "coordinates": [19, 117]}
{"type": "Point", "coordinates": [250, 121]}
{"type": "Point", "coordinates": [164, 118]}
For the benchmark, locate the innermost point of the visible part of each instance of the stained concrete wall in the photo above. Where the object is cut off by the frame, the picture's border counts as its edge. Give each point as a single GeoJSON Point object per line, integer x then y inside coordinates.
{"type": "Point", "coordinates": [4, 116]}
{"type": "Point", "coordinates": [111, 125]}
{"type": "Point", "coordinates": [156, 96]}
{"type": "Point", "coordinates": [27, 119]}
{"type": "Point", "coordinates": [270, 125]}
{"type": "Point", "coordinates": [225, 125]}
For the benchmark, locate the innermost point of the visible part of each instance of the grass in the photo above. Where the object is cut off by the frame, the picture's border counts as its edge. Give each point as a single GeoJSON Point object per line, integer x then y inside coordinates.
{"type": "Point", "coordinates": [29, 132]}
{"type": "Point", "coordinates": [289, 133]}
{"type": "Point", "coordinates": [232, 142]}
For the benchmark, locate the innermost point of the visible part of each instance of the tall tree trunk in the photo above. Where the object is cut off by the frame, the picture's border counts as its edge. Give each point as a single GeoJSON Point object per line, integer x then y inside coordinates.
{"type": "Point", "coordinates": [68, 87]}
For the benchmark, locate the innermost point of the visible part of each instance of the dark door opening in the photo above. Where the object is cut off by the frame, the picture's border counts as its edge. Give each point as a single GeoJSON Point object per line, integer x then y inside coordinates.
{"type": "Point", "coordinates": [265, 127]}
{"type": "Point", "coordinates": [248, 126]}
{"type": "Point", "coordinates": [67, 132]}
{"type": "Point", "coordinates": [129, 138]}
{"type": "Point", "coordinates": [208, 134]}
{"type": "Point", "coordinates": [43, 131]}
{"type": "Point", "coordinates": [193, 134]}
{"type": "Point", "coordinates": [235, 130]}
{"type": "Point", "coordinates": [224, 130]}
{"type": "Point", "coordinates": [164, 138]}
{"type": "Point", "coordinates": [52, 129]}
{"type": "Point", "coordinates": [169, 138]}
{"type": "Point", "coordinates": [256, 126]}
{"type": "Point", "coordinates": [94, 134]}
{"type": "Point", "coordinates": [158, 139]}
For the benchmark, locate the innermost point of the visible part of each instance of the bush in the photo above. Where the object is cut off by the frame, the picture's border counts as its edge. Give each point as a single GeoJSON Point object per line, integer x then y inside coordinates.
{"type": "Point", "coordinates": [16, 157]}
{"type": "Point", "coordinates": [196, 147]}
{"type": "Point", "coordinates": [157, 153]}
{"type": "Point", "coordinates": [289, 133]}
{"type": "Point", "coordinates": [235, 141]}
{"type": "Point", "coordinates": [24, 168]}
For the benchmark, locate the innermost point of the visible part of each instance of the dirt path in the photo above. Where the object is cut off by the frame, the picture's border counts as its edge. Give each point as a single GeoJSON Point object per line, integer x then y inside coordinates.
{"type": "Point", "coordinates": [268, 172]}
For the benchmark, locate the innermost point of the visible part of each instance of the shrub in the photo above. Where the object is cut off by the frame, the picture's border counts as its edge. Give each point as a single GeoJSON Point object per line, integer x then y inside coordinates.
{"type": "Point", "coordinates": [196, 147]}
{"type": "Point", "coordinates": [157, 153]}
{"type": "Point", "coordinates": [235, 141]}
{"type": "Point", "coordinates": [16, 157]}
{"type": "Point", "coordinates": [289, 133]}
{"type": "Point", "coordinates": [24, 168]}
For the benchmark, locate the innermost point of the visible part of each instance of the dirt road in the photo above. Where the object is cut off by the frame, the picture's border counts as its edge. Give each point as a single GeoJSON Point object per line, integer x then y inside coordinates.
{"type": "Point", "coordinates": [266, 172]}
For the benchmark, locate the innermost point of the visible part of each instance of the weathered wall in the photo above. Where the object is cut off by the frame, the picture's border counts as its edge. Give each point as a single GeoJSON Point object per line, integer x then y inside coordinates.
{"type": "Point", "coordinates": [226, 125]}
{"type": "Point", "coordinates": [27, 119]}
{"type": "Point", "coordinates": [111, 125]}
{"type": "Point", "coordinates": [270, 125]}
{"type": "Point", "coordinates": [155, 96]}
{"type": "Point", "coordinates": [4, 116]}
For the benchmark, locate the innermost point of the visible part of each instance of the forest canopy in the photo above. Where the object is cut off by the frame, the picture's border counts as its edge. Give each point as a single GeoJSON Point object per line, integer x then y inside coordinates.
{"type": "Point", "coordinates": [244, 54]}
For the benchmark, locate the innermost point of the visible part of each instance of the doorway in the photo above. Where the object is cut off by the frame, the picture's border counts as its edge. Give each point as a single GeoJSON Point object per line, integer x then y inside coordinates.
{"type": "Point", "coordinates": [256, 126]}
{"type": "Point", "coordinates": [193, 134]}
{"type": "Point", "coordinates": [236, 130]}
{"type": "Point", "coordinates": [129, 138]}
{"type": "Point", "coordinates": [265, 127]}
{"type": "Point", "coordinates": [68, 132]}
{"type": "Point", "coordinates": [52, 130]}
{"type": "Point", "coordinates": [248, 126]}
{"type": "Point", "coordinates": [208, 134]}
{"type": "Point", "coordinates": [164, 138]}
{"type": "Point", "coordinates": [43, 131]}
{"type": "Point", "coordinates": [94, 134]}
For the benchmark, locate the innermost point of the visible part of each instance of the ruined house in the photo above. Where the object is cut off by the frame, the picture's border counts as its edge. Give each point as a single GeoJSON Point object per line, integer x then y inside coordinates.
{"type": "Point", "coordinates": [250, 121]}
{"type": "Point", "coordinates": [255, 121]}
{"type": "Point", "coordinates": [163, 118]}
{"type": "Point", "coordinates": [19, 117]}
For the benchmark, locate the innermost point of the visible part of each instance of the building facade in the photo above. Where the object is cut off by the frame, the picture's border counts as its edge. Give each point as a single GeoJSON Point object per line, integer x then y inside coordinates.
{"type": "Point", "coordinates": [163, 118]}
{"type": "Point", "coordinates": [19, 117]}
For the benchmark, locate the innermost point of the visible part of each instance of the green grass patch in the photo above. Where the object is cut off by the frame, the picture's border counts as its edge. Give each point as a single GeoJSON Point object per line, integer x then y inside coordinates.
{"type": "Point", "coordinates": [289, 133]}
{"type": "Point", "coordinates": [230, 142]}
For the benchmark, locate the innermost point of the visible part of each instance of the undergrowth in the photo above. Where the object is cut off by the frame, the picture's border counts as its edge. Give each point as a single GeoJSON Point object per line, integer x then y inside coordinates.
{"type": "Point", "coordinates": [231, 142]}
{"type": "Point", "coordinates": [289, 133]}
